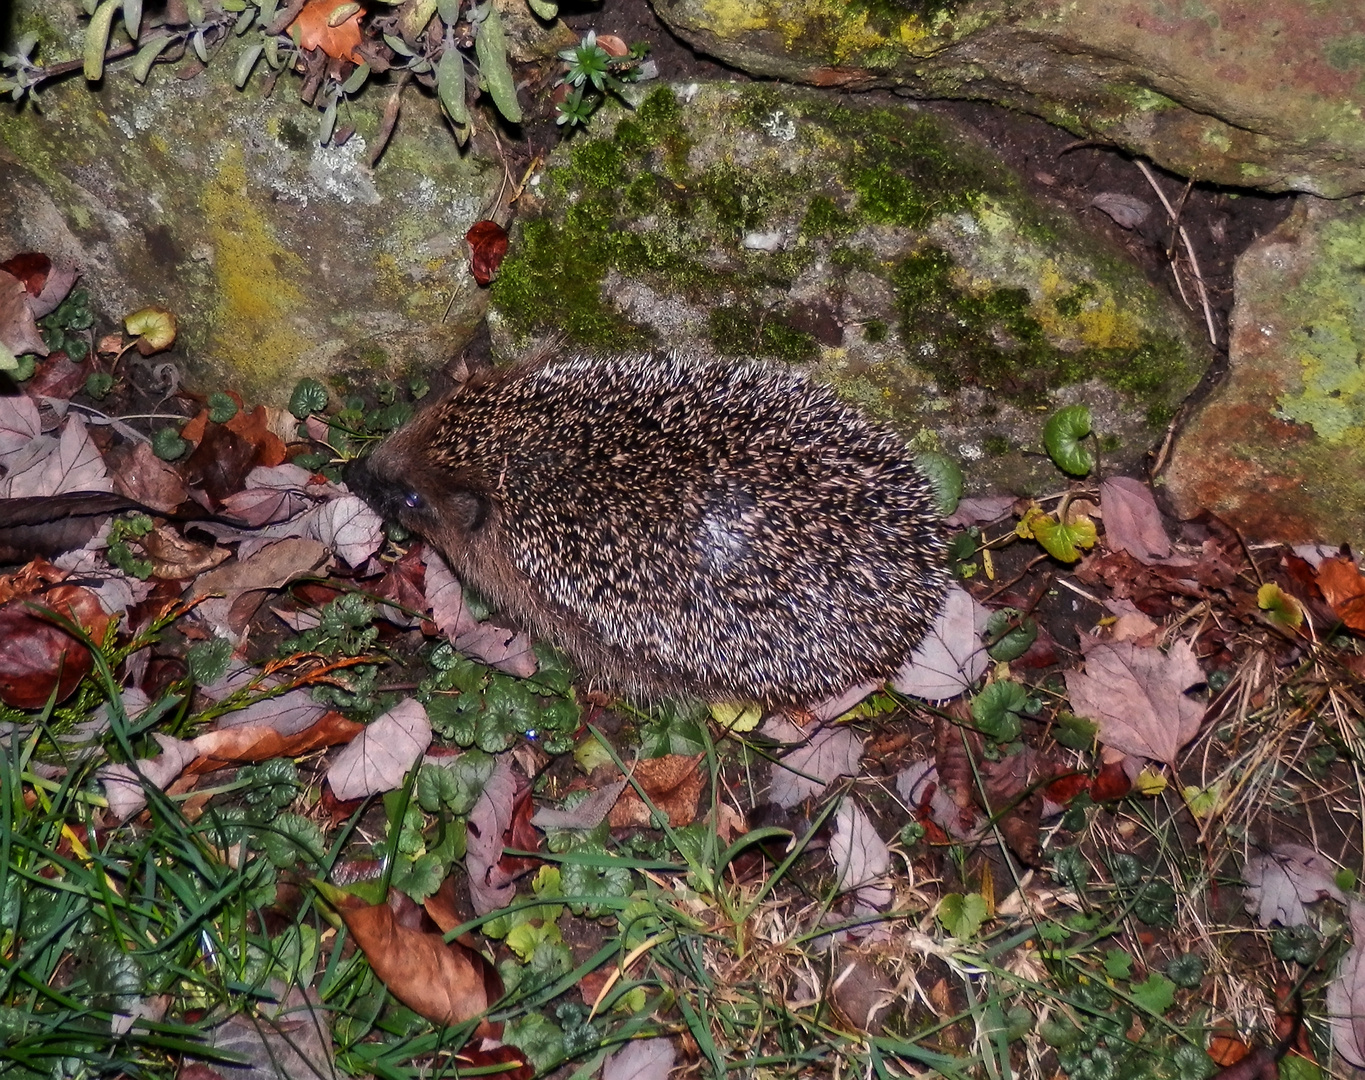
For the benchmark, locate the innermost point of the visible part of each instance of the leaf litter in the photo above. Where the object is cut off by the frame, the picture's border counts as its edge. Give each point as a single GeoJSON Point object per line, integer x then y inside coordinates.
{"type": "Point", "coordinates": [210, 640]}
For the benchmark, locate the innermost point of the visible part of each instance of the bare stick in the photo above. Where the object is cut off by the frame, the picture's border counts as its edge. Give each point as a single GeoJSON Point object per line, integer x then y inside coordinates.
{"type": "Point", "coordinates": [1189, 248]}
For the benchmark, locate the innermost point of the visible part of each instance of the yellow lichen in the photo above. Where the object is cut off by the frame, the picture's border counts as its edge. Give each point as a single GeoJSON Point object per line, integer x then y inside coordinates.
{"type": "Point", "coordinates": [729, 17]}
{"type": "Point", "coordinates": [256, 280]}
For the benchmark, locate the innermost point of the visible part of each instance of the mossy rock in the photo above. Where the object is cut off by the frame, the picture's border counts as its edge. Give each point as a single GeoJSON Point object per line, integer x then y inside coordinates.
{"type": "Point", "coordinates": [870, 244]}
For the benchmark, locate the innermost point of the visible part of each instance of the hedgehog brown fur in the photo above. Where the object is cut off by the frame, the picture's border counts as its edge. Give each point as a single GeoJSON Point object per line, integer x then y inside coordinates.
{"type": "Point", "coordinates": [728, 530]}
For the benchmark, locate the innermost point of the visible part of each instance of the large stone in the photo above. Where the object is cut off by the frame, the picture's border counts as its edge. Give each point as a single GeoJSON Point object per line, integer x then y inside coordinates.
{"type": "Point", "coordinates": [280, 257]}
{"type": "Point", "coordinates": [1279, 449]}
{"type": "Point", "coordinates": [1266, 94]}
{"type": "Point", "coordinates": [870, 244]}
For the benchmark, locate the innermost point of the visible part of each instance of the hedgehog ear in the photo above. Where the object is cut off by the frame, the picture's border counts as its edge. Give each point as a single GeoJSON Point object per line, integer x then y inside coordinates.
{"type": "Point", "coordinates": [475, 507]}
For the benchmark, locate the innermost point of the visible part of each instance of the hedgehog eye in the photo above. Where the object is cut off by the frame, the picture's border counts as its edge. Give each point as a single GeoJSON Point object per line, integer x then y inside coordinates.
{"type": "Point", "coordinates": [413, 501]}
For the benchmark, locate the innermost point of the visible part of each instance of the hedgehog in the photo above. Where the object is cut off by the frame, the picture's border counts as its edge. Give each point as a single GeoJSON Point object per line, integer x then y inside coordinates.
{"type": "Point", "coordinates": [729, 531]}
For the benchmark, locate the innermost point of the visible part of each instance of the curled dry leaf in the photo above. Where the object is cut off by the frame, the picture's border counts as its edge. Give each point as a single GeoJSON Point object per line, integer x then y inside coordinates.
{"type": "Point", "coordinates": [951, 658]}
{"type": "Point", "coordinates": [259, 742]}
{"type": "Point", "coordinates": [487, 245]}
{"type": "Point", "coordinates": [144, 477]}
{"type": "Point", "coordinates": [491, 886]}
{"type": "Point", "coordinates": [174, 558]}
{"type": "Point", "coordinates": [1346, 994]}
{"type": "Point", "coordinates": [1125, 210]}
{"type": "Point", "coordinates": [240, 585]}
{"type": "Point", "coordinates": [445, 982]}
{"type": "Point", "coordinates": [1343, 587]}
{"type": "Point", "coordinates": [1285, 878]}
{"type": "Point", "coordinates": [588, 814]}
{"type": "Point", "coordinates": [286, 1038]}
{"type": "Point", "coordinates": [122, 787]}
{"type": "Point", "coordinates": [505, 649]}
{"type": "Point", "coordinates": [313, 29]}
{"type": "Point", "coordinates": [673, 782]}
{"type": "Point", "coordinates": [379, 758]}
{"type": "Point", "coordinates": [349, 527]}
{"type": "Point", "coordinates": [1132, 521]}
{"type": "Point", "coordinates": [1010, 785]}
{"type": "Point", "coordinates": [808, 768]}
{"type": "Point", "coordinates": [1136, 696]}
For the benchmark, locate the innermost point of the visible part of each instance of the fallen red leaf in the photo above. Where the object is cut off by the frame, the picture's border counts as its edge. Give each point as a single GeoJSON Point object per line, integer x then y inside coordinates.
{"type": "Point", "coordinates": [1065, 788]}
{"type": "Point", "coordinates": [673, 782]}
{"type": "Point", "coordinates": [30, 267]}
{"type": "Point", "coordinates": [1111, 783]}
{"type": "Point", "coordinates": [311, 30]}
{"type": "Point", "coordinates": [1343, 586]}
{"type": "Point", "coordinates": [499, 1055]}
{"type": "Point", "coordinates": [446, 983]}
{"type": "Point", "coordinates": [36, 655]}
{"type": "Point", "coordinates": [488, 245]}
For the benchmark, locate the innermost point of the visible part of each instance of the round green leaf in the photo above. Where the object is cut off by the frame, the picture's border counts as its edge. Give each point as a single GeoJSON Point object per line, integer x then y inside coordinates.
{"type": "Point", "coordinates": [1010, 633]}
{"type": "Point", "coordinates": [222, 407]}
{"type": "Point", "coordinates": [98, 384]}
{"type": "Point", "coordinates": [309, 397]}
{"type": "Point", "coordinates": [996, 710]}
{"type": "Point", "coordinates": [1062, 436]}
{"type": "Point", "coordinates": [944, 476]}
{"type": "Point", "coordinates": [168, 445]}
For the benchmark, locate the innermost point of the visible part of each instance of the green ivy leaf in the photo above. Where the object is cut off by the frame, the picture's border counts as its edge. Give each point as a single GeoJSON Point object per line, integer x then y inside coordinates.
{"type": "Point", "coordinates": [420, 877]}
{"type": "Point", "coordinates": [309, 397]}
{"type": "Point", "coordinates": [1062, 437]}
{"type": "Point", "coordinates": [98, 384]}
{"type": "Point", "coordinates": [290, 836]}
{"type": "Point", "coordinates": [1062, 541]}
{"type": "Point", "coordinates": [1156, 995]}
{"type": "Point", "coordinates": [962, 916]}
{"type": "Point", "coordinates": [1011, 633]}
{"type": "Point", "coordinates": [1074, 732]}
{"type": "Point", "coordinates": [1186, 970]}
{"type": "Point", "coordinates": [168, 445]}
{"type": "Point", "coordinates": [1118, 963]}
{"type": "Point", "coordinates": [490, 46]}
{"type": "Point", "coordinates": [996, 710]}
{"type": "Point", "coordinates": [945, 478]}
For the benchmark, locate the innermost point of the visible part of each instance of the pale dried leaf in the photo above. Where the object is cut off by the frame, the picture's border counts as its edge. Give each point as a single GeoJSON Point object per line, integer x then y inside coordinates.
{"type": "Point", "coordinates": [264, 505]}
{"type": "Point", "coordinates": [273, 568]}
{"type": "Point", "coordinates": [860, 856]}
{"type": "Point", "coordinates": [122, 787]}
{"type": "Point", "coordinates": [1136, 696]}
{"type": "Point", "coordinates": [951, 658]}
{"type": "Point", "coordinates": [809, 768]}
{"type": "Point", "coordinates": [1346, 994]}
{"type": "Point", "coordinates": [1285, 878]}
{"type": "Point", "coordinates": [349, 527]}
{"type": "Point", "coordinates": [379, 758]}
{"type": "Point", "coordinates": [640, 1059]}
{"type": "Point", "coordinates": [290, 713]}
{"type": "Point", "coordinates": [290, 1040]}
{"type": "Point", "coordinates": [588, 814]}
{"type": "Point", "coordinates": [833, 707]}
{"type": "Point", "coordinates": [69, 463]}
{"type": "Point", "coordinates": [19, 425]}
{"type": "Point", "coordinates": [489, 887]}
{"type": "Point", "coordinates": [1132, 521]}
{"type": "Point", "coordinates": [980, 510]}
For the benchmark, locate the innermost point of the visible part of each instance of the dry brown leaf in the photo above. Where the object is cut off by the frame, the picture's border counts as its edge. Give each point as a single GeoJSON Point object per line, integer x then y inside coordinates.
{"type": "Point", "coordinates": [143, 476]}
{"type": "Point", "coordinates": [640, 1059]}
{"type": "Point", "coordinates": [505, 649]}
{"type": "Point", "coordinates": [1343, 586]}
{"type": "Point", "coordinates": [286, 1038]}
{"type": "Point", "coordinates": [381, 756]}
{"type": "Point", "coordinates": [861, 858]}
{"type": "Point", "coordinates": [1010, 785]}
{"type": "Point", "coordinates": [1136, 696]}
{"type": "Point", "coordinates": [588, 814]}
{"type": "Point", "coordinates": [48, 466]}
{"type": "Point", "coordinates": [19, 426]}
{"type": "Point", "coordinates": [674, 782]}
{"type": "Point", "coordinates": [446, 983]}
{"type": "Point", "coordinates": [36, 655]}
{"type": "Point", "coordinates": [1132, 521]}
{"type": "Point", "coordinates": [311, 30]}
{"type": "Point", "coordinates": [256, 742]}
{"type": "Point", "coordinates": [124, 791]}
{"type": "Point", "coordinates": [174, 558]}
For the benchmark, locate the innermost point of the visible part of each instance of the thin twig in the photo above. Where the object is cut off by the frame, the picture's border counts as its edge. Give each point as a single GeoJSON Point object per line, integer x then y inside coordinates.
{"type": "Point", "coordinates": [1189, 249]}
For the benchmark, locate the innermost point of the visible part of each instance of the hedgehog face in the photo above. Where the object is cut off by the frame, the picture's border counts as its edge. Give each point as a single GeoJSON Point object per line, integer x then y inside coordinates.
{"type": "Point", "coordinates": [423, 498]}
